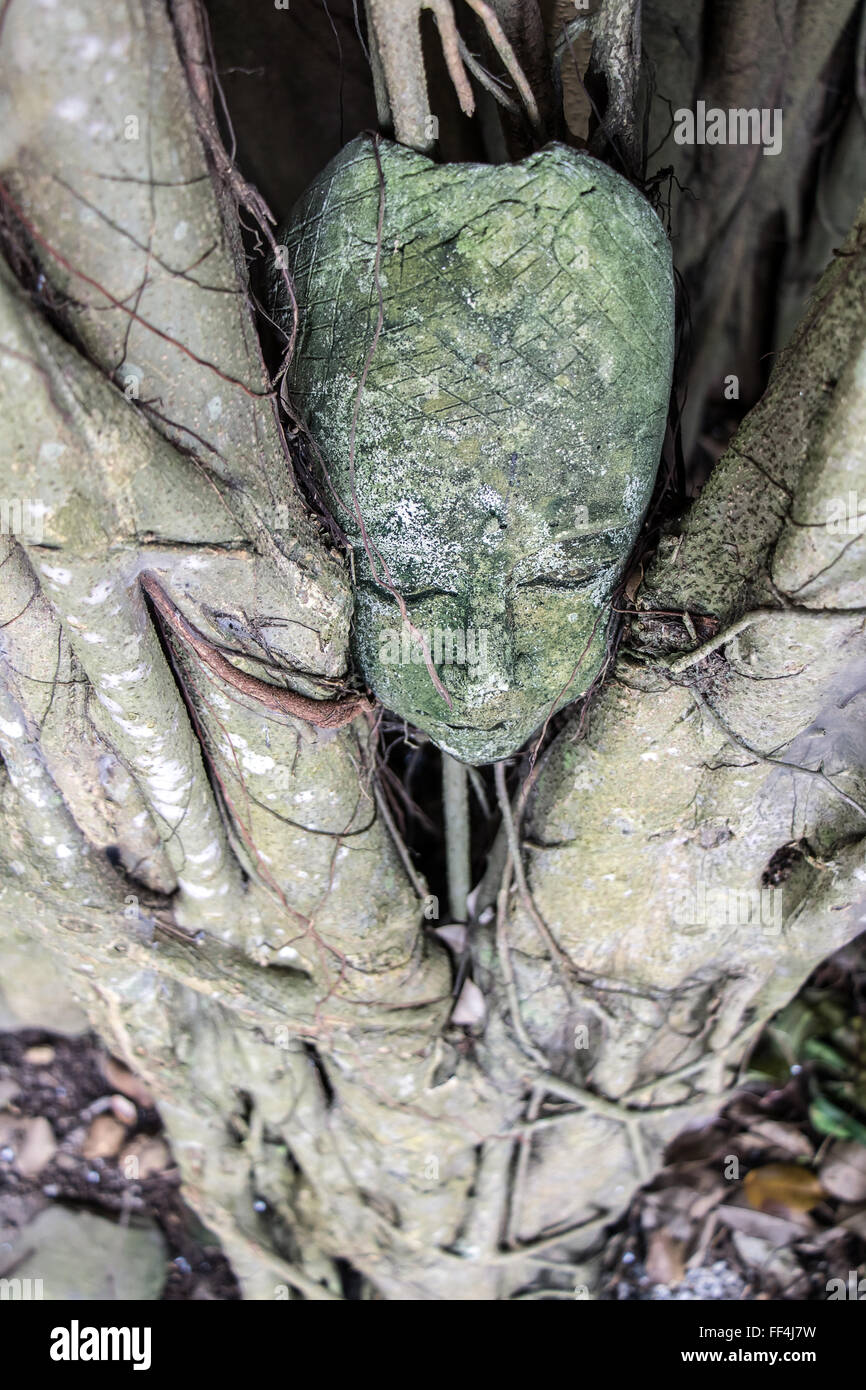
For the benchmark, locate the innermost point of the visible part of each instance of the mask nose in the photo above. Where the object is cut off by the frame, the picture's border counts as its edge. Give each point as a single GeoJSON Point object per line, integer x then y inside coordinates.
{"type": "Point", "coordinates": [486, 671]}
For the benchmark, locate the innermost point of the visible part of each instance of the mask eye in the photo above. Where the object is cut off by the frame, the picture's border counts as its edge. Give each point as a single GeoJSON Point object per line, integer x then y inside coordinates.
{"type": "Point", "coordinates": [561, 581]}
{"type": "Point", "coordinates": [408, 595]}
{"type": "Point", "coordinates": [415, 595]}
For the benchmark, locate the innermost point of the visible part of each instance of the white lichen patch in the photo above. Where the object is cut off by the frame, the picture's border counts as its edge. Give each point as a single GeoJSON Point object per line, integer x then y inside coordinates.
{"type": "Point", "coordinates": [71, 108]}
{"type": "Point", "coordinates": [257, 762]}
{"type": "Point", "coordinates": [57, 574]}
{"type": "Point", "coordinates": [116, 680]}
{"type": "Point", "coordinates": [136, 731]}
{"type": "Point", "coordinates": [99, 593]}
{"type": "Point", "coordinates": [198, 891]}
{"type": "Point", "coordinates": [206, 855]}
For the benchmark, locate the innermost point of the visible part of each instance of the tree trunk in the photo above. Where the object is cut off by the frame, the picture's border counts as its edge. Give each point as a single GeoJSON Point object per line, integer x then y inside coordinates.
{"type": "Point", "coordinates": [199, 825]}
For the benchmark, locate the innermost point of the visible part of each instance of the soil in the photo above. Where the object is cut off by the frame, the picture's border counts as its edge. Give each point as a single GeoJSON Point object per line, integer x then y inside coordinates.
{"type": "Point", "coordinates": [62, 1090]}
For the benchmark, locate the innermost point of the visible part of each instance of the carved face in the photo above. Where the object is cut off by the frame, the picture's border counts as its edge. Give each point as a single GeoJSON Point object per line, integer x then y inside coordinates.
{"type": "Point", "coordinates": [510, 424]}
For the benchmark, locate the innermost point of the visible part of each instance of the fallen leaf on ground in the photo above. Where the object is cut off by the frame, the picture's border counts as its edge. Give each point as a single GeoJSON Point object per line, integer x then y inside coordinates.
{"type": "Point", "coordinates": [782, 1136]}
{"type": "Point", "coordinates": [9, 1089]}
{"type": "Point", "coordinates": [120, 1078]}
{"type": "Point", "coordinates": [843, 1172]}
{"type": "Point", "coordinates": [454, 935]}
{"type": "Point", "coordinates": [31, 1140]}
{"type": "Point", "coordinates": [123, 1109]}
{"type": "Point", "coordinates": [104, 1138]}
{"type": "Point", "coordinates": [144, 1156]}
{"type": "Point", "coordinates": [782, 1189]}
{"type": "Point", "coordinates": [470, 1007]}
{"type": "Point", "coordinates": [760, 1223]}
{"type": "Point", "coordinates": [665, 1261]}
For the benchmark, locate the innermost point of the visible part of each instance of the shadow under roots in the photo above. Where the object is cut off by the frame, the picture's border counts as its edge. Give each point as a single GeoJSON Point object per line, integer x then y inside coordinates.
{"type": "Point", "coordinates": [410, 776]}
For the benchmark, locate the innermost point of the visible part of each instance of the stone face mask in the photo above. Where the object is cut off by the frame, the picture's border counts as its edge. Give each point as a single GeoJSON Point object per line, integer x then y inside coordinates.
{"type": "Point", "coordinates": [509, 428]}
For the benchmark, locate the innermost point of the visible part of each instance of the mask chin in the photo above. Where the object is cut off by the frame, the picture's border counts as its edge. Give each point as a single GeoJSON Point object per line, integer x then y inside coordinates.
{"type": "Point", "coordinates": [477, 745]}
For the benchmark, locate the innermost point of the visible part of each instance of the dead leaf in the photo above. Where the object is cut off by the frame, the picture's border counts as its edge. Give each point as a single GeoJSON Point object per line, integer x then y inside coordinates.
{"type": "Point", "coordinates": [754, 1251]}
{"type": "Point", "coordinates": [782, 1189]}
{"type": "Point", "coordinates": [9, 1089]}
{"type": "Point", "coordinates": [104, 1138]}
{"type": "Point", "coordinates": [783, 1136]}
{"type": "Point", "coordinates": [121, 1079]}
{"type": "Point", "coordinates": [454, 935]}
{"type": "Point", "coordinates": [855, 1223]}
{"type": "Point", "coordinates": [632, 584]}
{"type": "Point", "coordinates": [704, 1204]}
{"type": "Point", "coordinates": [470, 1007]}
{"type": "Point", "coordinates": [843, 1172]}
{"type": "Point", "coordinates": [665, 1261]}
{"type": "Point", "coordinates": [766, 1227]}
{"type": "Point", "coordinates": [31, 1140]}
{"type": "Point", "coordinates": [123, 1110]}
{"type": "Point", "coordinates": [144, 1156]}
{"type": "Point", "coordinates": [767, 1259]}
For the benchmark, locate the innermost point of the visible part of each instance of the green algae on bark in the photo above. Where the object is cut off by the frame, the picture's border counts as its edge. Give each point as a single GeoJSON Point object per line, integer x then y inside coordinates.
{"type": "Point", "coordinates": [510, 423]}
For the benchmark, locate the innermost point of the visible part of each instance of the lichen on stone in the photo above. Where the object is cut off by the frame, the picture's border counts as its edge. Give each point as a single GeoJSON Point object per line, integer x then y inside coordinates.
{"type": "Point", "coordinates": [509, 427]}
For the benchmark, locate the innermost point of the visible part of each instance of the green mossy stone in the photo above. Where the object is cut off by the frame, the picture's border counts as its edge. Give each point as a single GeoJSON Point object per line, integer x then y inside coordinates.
{"type": "Point", "coordinates": [80, 1257]}
{"type": "Point", "coordinates": [509, 429]}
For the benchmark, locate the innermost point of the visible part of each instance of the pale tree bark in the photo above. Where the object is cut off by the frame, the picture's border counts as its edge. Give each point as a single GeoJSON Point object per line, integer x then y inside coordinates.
{"type": "Point", "coordinates": [175, 689]}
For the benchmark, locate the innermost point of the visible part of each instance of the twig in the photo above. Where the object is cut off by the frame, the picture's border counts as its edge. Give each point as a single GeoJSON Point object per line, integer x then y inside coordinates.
{"type": "Point", "coordinates": [450, 40]}
{"type": "Point", "coordinates": [455, 808]}
{"type": "Point", "coordinates": [739, 742]}
{"type": "Point", "coordinates": [486, 79]}
{"type": "Point", "coordinates": [478, 787]}
{"type": "Point", "coordinates": [678, 664]}
{"type": "Point", "coordinates": [399, 843]}
{"type": "Point", "coordinates": [508, 821]}
{"type": "Point", "coordinates": [523, 1138]}
{"type": "Point", "coordinates": [504, 953]}
{"type": "Point", "coordinates": [487, 15]}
